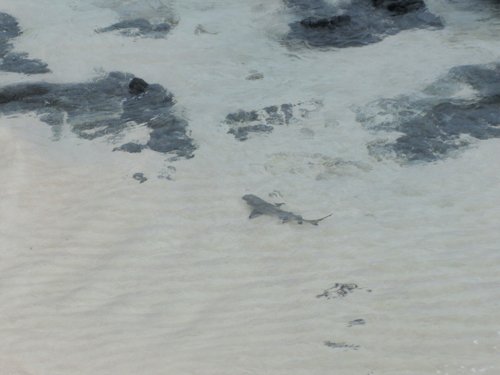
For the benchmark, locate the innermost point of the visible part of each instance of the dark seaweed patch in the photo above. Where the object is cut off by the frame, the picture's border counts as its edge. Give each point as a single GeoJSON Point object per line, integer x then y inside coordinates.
{"type": "Point", "coordinates": [440, 123]}
{"type": "Point", "coordinates": [16, 62]}
{"type": "Point", "coordinates": [357, 23]}
{"type": "Point", "coordinates": [139, 27]}
{"type": "Point", "coordinates": [105, 107]}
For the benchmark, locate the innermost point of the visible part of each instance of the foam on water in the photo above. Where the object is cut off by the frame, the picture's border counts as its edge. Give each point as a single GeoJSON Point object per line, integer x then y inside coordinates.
{"type": "Point", "coordinates": [101, 274]}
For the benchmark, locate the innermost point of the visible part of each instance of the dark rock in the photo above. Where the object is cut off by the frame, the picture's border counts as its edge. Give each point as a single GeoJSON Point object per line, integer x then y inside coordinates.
{"type": "Point", "coordinates": [254, 76]}
{"type": "Point", "coordinates": [15, 62]}
{"type": "Point", "coordinates": [287, 110]}
{"type": "Point", "coordinates": [139, 27]}
{"type": "Point", "coordinates": [330, 22]}
{"type": "Point", "coordinates": [241, 133]}
{"type": "Point", "coordinates": [438, 125]}
{"type": "Point", "coordinates": [400, 6]}
{"type": "Point", "coordinates": [52, 117]}
{"type": "Point", "coordinates": [357, 322]}
{"type": "Point", "coordinates": [242, 116]}
{"type": "Point", "coordinates": [137, 86]}
{"type": "Point", "coordinates": [341, 345]}
{"type": "Point", "coordinates": [105, 107]}
{"type": "Point", "coordinates": [139, 177]}
{"type": "Point", "coordinates": [338, 290]}
{"type": "Point", "coordinates": [242, 123]}
{"type": "Point", "coordinates": [357, 23]}
{"type": "Point", "coordinates": [170, 139]}
{"type": "Point", "coordinates": [131, 147]}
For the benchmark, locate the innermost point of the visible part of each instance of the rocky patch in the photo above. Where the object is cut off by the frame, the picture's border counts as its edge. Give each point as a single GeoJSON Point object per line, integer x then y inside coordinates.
{"type": "Point", "coordinates": [355, 23]}
{"type": "Point", "coordinates": [106, 107]}
{"type": "Point", "coordinates": [140, 177]}
{"type": "Point", "coordinates": [441, 120]}
{"type": "Point", "coordinates": [341, 345]}
{"type": "Point", "coordinates": [139, 27]}
{"type": "Point", "coordinates": [139, 18]}
{"type": "Point", "coordinates": [16, 62]}
{"type": "Point", "coordinates": [243, 123]}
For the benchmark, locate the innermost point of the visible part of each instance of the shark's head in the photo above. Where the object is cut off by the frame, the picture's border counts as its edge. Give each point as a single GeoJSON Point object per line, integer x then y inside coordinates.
{"type": "Point", "coordinates": [250, 198]}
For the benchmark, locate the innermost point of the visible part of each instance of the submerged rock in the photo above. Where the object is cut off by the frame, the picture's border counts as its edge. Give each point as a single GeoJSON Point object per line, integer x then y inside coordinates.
{"type": "Point", "coordinates": [338, 290]}
{"type": "Point", "coordinates": [399, 6]}
{"type": "Point", "coordinates": [241, 133]}
{"type": "Point", "coordinates": [137, 86]}
{"type": "Point", "coordinates": [356, 322]}
{"type": "Point", "coordinates": [441, 122]}
{"type": "Point", "coordinates": [16, 62]}
{"type": "Point", "coordinates": [329, 22]}
{"type": "Point", "coordinates": [139, 177]}
{"type": "Point", "coordinates": [357, 23]}
{"type": "Point", "coordinates": [254, 76]}
{"type": "Point", "coordinates": [341, 345]}
{"type": "Point", "coordinates": [139, 27]}
{"type": "Point", "coordinates": [243, 123]}
{"type": "Point", "coordinates": [131, 147]}
{"type": "Point", "coordinates": [105, 107]}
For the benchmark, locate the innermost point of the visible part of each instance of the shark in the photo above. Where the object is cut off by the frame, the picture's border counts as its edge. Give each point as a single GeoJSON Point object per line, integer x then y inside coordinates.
{"type": "Point", "coordinates": [261, 207]}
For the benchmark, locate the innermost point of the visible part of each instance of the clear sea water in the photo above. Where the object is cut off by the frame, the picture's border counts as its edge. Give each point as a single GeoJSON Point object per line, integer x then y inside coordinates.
{"type": "Point", "coordinates": [101, 274]}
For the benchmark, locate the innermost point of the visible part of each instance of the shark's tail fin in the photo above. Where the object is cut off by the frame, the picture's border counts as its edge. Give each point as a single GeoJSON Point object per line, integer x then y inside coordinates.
{"type": "Point", "coordinates": [315, 222]}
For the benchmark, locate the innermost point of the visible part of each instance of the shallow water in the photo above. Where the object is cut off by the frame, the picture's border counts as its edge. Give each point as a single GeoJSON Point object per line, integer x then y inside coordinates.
{"type": "Point", "coordinates": [102, 274]}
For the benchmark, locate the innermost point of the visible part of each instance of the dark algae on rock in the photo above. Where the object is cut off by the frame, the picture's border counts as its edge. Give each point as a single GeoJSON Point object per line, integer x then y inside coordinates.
{"type": "Point", "coordinates": [355, 23]}
{"type": "Point", "coordinates": [438, 122]}
{"type": "Point", "coordinates": [16, 62]}
{"type": "Point", "coordinates": [108, 107]}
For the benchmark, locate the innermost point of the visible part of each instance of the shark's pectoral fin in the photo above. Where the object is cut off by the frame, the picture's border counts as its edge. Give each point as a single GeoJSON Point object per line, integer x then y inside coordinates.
{"type": "Point", "coordinates": [279, 204]}
{"type": "Point", "coordinates": [254, 213]}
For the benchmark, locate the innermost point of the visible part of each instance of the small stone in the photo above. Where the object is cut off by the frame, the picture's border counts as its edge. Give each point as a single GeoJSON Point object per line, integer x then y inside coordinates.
{"type": "Point", "coordinates": [357, 322]}
{"type": "Point", "coordinates": [139, 177]}
{"type": "Point", "coordinates": [137, 86]}
{"type": "Point", "coordinates": [255, 76]}
{"type": "Point", "coordinates": [341, 345]}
